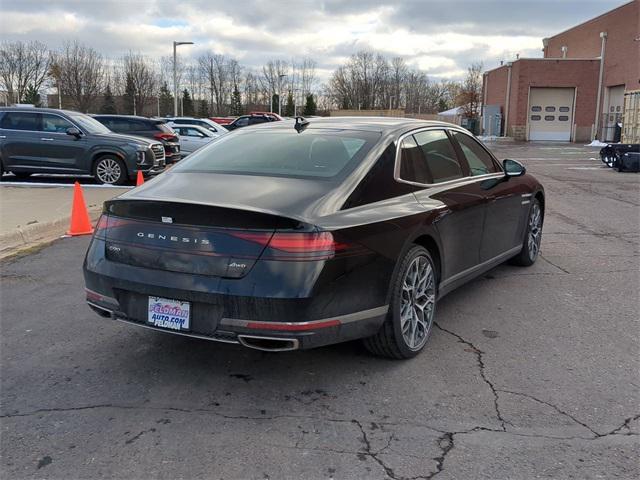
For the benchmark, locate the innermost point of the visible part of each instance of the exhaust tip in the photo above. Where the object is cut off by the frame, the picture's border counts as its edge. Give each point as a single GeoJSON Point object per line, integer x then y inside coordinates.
{"type": "Point", "coordinates": [269, 344]}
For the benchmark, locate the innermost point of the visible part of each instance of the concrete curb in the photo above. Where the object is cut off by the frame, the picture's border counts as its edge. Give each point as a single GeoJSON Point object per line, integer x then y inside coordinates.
{"type": "Point", "coordinates": [37, 233]}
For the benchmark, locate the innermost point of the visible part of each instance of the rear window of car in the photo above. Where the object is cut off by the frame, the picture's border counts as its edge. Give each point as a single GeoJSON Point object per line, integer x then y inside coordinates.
{"type": "Point", "coordinates": [321, 153]}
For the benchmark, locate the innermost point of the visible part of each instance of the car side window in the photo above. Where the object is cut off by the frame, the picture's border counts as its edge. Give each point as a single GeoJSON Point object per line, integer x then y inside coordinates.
{"type": "Point", "coordinates": [54, 123]}
{"type": "Point", "coordinates": [413, 167]}
{"type": "Point", "coordinates": [379, 183]}
{"type": "Point", "coordinates": [242, 122]}
{"type": "Point", "coordinates": [120, 125]}
{"type": "Point", "coordinates": [441, 157]}
{"type": "Point", "coordinates": [479, 160]}
{"type": "Point", "coordinates": [21, 121]}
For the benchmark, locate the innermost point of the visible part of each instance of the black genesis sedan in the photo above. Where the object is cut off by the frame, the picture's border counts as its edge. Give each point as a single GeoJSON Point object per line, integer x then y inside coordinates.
{"type": "Point", "coordinates": [282, 237]}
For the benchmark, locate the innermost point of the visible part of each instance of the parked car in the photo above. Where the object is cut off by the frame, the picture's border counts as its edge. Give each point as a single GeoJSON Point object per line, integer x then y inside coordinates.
{"type": "Point", "coordinates": [145, 127]}
{"type": "Point", "coordinates": [247, 120]}
{"type": "Point", "coordinates": [272, 115]}
{"type": "Point", "coordinates": [42, 140]}
{"type": "Point", "coordinates": [342, 228]}
{"type": "Point", "coordinates": [202, 122]}
{"type": "Point", "coordinates": [193, 137]}
{"type": "Point", "coordinates": [222, 120]}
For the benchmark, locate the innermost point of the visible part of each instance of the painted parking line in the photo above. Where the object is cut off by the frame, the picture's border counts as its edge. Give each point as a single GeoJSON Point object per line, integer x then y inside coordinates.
{"type": "Point", "coordinates": [64, 185]}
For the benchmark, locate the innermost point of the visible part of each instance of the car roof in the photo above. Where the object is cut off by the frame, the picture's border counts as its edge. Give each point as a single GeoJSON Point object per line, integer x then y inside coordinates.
{"type": "Point", "coordinates": [39, 110]}
{"type": "Point", "coordinates": [189, 125]}
{"type": "Point", "coordinates": [383, 125]}
{"type": "Point", "coordinates": [128, 117]}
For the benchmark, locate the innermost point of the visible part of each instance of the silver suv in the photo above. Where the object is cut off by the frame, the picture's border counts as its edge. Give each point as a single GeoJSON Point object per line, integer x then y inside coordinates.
{"type": "Point", "coordinates": [43, 140]}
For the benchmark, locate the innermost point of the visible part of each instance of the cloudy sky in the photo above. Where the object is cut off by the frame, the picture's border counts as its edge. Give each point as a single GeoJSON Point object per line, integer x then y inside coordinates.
{"type": "Point", "coordinates": [441, 37]}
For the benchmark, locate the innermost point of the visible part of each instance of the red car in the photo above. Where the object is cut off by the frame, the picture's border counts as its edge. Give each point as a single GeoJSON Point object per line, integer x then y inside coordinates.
{"type": "Point", "coordinates": [222, 120]}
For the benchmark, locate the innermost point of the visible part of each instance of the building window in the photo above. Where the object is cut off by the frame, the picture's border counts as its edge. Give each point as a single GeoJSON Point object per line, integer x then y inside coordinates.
{"type": "Point", "coordinates": [618, 108]}
{"type": "Point", "coordinates": [536, 109]}
{"type": "Point", "coordinates": [549, 118]}
{"type": "Point", "coordinates": [549, 109]}
{"type": "Point", "coordinates": [535, 117]}
{"type": "Point", "coordinates": [564, 109]}
{"type": "Point", "coordinates": [563, 118]}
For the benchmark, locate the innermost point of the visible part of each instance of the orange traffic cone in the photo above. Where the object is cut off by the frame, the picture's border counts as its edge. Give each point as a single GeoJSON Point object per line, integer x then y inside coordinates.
{"type": "Point", "coordinates": [139, 179]}
{"type": "Point", "coordinates": [80, 222]}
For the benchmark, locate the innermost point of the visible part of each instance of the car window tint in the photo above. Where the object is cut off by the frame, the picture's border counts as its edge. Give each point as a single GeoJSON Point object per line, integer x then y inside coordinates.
{"type": "Point", "coordinates": [120, 125]}
{"type": "Point", "coordinates": [480, 162]}
{"type": "Point", "coordinates": [256, 120]}
{"type": "Point", "coordinates": [379, 184]}
{"type": "Point", "coordinates": [413, 167]}
{"type": "Point", "coordinates": [20, 121]}
{"type": "Point", "coordinates": [441, 158]}
{"type": "Point", "coordinates": [242, 122]}
{"type": "Point", "coordinates": [320, 153]}
{"type": "Point", "coordinates": [54, 123]}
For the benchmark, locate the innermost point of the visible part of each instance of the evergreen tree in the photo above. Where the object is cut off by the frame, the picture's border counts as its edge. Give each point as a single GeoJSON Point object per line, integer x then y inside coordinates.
{"type": "Point", "coordinates": [187, 104]}
{"type": "Point", "coordinates": [166, 101]}
{"type": "Point", "coordinates": [274, 102]}
{"type": "Point", "coordinates": [310, 107]}
{"type": "Point", "coordinates": [236, 102]}
{"type": "Point", "coordinates": [109, 103]}
{"type": "Point", "coordinates": [31, 96]}
{"type": "Point", "coordinates": [442, 105]}
{"type": "Point", "coordinates": [129, 96]}
{"type": "Point", "coordinates": [289, 109]}
{"type": "Point", "coordinates": [203, 109]}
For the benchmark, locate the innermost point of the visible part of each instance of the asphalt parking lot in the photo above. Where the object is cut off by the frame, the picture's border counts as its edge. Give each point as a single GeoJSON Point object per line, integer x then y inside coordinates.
{"type": "Point", "coordinates": [530, 373]}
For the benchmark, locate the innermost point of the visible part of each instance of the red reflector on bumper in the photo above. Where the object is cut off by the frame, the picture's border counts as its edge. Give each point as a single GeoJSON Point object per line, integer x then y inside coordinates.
{"type": "Point", "coordinates": [293, 327]}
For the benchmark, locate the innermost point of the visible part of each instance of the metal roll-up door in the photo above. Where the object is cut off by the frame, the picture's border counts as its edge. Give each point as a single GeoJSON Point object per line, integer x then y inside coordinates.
{"type": "Point", "coordinates": [550, 113]}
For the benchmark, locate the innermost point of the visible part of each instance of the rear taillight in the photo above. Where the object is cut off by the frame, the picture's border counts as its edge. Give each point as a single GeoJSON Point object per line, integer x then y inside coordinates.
{"type": "Point", "coordinates": [295, 246]}
{"type": "Point", "coordinates": [169, 137]}
{"type": "Point", "coordinates": [106, 223]}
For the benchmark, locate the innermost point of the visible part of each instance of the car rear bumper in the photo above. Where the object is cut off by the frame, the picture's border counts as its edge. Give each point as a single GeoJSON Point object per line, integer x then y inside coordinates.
{"type": "Point", "coordinates": [208, 324]}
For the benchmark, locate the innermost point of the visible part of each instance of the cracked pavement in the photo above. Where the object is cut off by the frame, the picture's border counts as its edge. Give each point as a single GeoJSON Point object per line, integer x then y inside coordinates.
{"type": "Point", "coordinates": [529, 373]}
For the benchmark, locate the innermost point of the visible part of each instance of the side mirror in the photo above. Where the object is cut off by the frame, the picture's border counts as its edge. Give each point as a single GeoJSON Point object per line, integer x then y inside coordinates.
{"type": "Point", "coordinates": [74, 132]}
{"type": "Point", "coordinates": [513, 168]}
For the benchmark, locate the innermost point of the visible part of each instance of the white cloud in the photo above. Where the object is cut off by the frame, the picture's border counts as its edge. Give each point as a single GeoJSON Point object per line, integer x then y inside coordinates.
{"type": "Point", "coordinates": [441, 37]}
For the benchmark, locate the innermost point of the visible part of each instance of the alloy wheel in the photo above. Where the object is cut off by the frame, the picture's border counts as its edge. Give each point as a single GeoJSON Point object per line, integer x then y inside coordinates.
{"type": "Point", "coordinates": [417, 302]}
{"type": "Point", "coordinates": [535, 231]}
{"type": "Point", "coordinates": [108, 171]}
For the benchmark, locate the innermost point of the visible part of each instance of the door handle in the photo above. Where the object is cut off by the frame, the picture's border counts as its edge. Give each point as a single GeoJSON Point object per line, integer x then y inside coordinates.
{"type": "Point", "coordinates": [3, 136]}
{"type": "Point", "coordinates": [47, 139]}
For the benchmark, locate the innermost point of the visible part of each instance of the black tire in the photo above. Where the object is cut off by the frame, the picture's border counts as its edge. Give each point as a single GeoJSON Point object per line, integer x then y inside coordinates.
{"type": "Point", "coordinates": [528, 255]}
{"type": "Point", "coordinates": [109, 170]}
{"type": "Point", "coordinates": [22, 175]}
{"type": "Point", "coordinates": [389, 341]}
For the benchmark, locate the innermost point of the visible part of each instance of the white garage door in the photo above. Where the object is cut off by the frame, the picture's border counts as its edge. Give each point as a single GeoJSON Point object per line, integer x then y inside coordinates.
{"type": "Point", "coordinates": [550, 114]}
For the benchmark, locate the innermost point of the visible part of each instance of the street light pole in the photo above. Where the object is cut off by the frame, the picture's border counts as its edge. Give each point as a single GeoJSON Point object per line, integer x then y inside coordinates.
{"type": "Point", "coordinates": [175, 76]}
{"type": "Point", "coordinates": [280, 77]}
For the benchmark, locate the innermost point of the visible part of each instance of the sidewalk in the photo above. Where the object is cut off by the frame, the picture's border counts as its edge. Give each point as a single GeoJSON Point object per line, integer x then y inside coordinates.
{"type": "Point", "coordinates": [35, 214]}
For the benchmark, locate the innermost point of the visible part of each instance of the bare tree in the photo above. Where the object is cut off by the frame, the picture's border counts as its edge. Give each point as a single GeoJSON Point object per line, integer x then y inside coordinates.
{"type": "Point", "coordinates": [307, 76]}
{"type": "Point", "coordinates": [23, 65]}
{"type": "Point", "coordinates": [221, 74]}
{"type": "Point", "coordinates": [144, 79]}
{"type": "Point", "coordinates": [252, 92]}
{"type": "Point", "coordinates": [81, 71]}
{"type": "Point", "coordinates": [470, 95]}
{"type": "Point", "coordinates": [271, 80]}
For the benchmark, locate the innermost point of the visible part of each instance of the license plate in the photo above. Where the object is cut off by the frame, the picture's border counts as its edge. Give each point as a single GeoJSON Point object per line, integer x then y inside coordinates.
{"type": "Point", "coordinates": [170, 314]}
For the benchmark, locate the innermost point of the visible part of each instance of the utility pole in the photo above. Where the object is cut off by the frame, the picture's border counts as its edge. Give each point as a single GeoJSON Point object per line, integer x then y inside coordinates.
{"type": "Point", "coordinates": [280, 77]}
{"type": "Point", "coordinates": [175, 76]}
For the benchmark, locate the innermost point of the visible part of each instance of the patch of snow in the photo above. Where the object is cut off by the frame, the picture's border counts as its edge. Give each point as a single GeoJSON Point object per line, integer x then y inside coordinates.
{"type": "Point", "coordinates": [597, 143]}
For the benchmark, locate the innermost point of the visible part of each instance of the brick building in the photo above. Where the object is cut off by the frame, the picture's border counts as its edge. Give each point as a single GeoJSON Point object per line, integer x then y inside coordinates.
{"type": "Point", "coordinates": [576, 91]}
